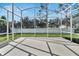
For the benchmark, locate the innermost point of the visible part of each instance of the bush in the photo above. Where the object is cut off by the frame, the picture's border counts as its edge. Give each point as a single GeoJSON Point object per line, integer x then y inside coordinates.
{"type": "Point", "coordinates": [76, 30]}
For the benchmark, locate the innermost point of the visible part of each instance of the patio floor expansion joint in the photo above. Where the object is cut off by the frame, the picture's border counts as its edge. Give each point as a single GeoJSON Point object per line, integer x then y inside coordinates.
{"type": "Point", "coordinates": [50, 50]}
{"type": "Point", "coordinates": [71, 50]}
{"type": "Point", "coordinates": [34, 48]}
{"type": "Point", "coordinates": [12, 48]}
{"type": "Point", "coordinates": [24, 50]}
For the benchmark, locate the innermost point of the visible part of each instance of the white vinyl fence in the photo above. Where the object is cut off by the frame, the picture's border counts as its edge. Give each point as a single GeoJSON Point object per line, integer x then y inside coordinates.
{"type": "Point", "coordinates": [42, 30]}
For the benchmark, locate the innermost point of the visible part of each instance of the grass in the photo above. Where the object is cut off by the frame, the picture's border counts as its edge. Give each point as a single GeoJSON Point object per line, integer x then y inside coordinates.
{"type": "Point", "coordinates": [73, 36]}
{"type": "Point", "coordinates": [40, 35]}
{"type": "Point", "coordinates": [4, 37]}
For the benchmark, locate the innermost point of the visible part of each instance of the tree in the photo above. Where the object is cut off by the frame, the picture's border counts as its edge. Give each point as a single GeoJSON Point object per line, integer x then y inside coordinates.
{"type": "Point", "coordinates": [60, 6]}
{"type": "Point", "coordinates": [66, 21]}
{"type": "Point", "coordinates": [3, 17]}
{"type": "Point", "coordinates": [3, 21]}
{"type": "Point", "coordinates": [51, 23]}
{"type": "Point", "coordinates": [3, 24]}
{"type": "Point", "coordinates": [25, 22]}
{"type": "Point", "coordinates": [54, 23]}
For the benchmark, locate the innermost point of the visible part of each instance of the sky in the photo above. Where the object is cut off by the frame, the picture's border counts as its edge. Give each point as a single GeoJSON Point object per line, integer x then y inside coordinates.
{"type": "Point", "coordinates": [30, 13]}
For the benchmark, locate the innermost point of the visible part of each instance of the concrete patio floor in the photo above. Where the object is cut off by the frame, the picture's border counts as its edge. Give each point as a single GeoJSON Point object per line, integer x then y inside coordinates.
{"type": "Point", "coordinates": [40, 46]}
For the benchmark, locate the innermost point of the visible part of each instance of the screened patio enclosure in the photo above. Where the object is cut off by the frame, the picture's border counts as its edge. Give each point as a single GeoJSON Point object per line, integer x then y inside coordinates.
{"type": "Point", "coordinates": [38, 20]}
{"type": "Point", "coordinates": [39, 29]}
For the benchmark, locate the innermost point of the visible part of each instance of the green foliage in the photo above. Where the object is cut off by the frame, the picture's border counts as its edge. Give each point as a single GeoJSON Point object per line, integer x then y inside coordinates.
{"type": "Point", "coordinates": [60, 5]}
{"type": "Point", "coordinates": [77, 30]}
{"type": "Point", "coordinates": [3, 17]}
{"type": "Point", "coordinates": [2, 23]}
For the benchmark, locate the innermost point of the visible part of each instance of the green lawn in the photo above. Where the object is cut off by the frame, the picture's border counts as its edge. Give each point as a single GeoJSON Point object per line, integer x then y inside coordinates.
{"type": "Point", "coordinates": [73, 36]}
{"type": "Point", "coordinates": [4, 37]}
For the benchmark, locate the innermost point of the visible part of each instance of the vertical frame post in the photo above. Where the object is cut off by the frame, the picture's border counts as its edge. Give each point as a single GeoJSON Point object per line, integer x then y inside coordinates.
{"type": "Point", "coordinates": [21, 22]}
{"type": "Point", "coordinates": [71, 23]}
{"type": "Point", "coordinates": [47, 18]}
{"type": "Point", "coordinates": [7, 25]}
{"type": "Point", "coordinates": [12, 21]}
{"type": "Point", "coordinates": [34, 24]}
{"type": "Point", "coordinates": [61, 26]}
